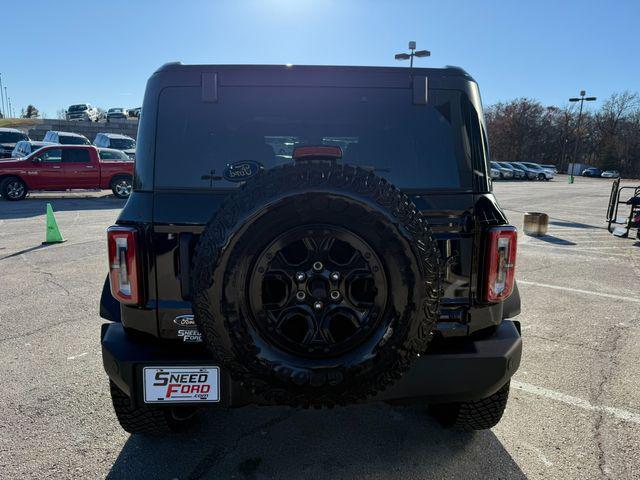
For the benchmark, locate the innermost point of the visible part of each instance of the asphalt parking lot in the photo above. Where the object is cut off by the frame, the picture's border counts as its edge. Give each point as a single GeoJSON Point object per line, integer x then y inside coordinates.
{"type": "Point", "coordinates": [574, 410]}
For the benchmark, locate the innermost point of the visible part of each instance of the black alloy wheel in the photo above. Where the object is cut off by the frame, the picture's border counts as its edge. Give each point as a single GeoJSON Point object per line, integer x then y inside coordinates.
{"type": "Point", "coordinates": [318, 290]}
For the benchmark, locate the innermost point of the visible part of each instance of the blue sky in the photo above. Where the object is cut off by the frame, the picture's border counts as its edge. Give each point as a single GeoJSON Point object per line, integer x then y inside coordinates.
{"type": "Point", "coordinates": [55, 53]}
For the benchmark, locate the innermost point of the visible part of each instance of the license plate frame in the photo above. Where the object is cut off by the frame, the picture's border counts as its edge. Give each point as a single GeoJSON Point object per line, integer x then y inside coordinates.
{"type": "Point", "coordinates": [181, 384]}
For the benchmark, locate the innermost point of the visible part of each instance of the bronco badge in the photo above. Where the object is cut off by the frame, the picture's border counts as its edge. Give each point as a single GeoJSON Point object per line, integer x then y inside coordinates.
{"type": "Point", "coordinates": [240, 171]}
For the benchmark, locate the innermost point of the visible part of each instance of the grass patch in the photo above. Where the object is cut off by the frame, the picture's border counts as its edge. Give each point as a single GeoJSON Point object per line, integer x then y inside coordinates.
{"type": "Point", "coordinates": [19, 122]}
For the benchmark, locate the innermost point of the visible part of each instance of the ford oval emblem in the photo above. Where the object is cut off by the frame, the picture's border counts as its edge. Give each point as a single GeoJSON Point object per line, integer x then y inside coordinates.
{"type": "Point", "coordinates": [184, 321]}
{"type": "Point", "coordinates": [240, 171]}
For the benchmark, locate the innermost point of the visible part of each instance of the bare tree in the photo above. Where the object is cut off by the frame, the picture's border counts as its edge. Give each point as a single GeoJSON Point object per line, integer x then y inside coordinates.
{"type": "Point", "coordinates": [523, 129]}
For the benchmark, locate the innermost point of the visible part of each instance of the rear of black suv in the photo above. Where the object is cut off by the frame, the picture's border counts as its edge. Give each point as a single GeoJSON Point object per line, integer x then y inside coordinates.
{"type": "Point", "coordinates": [310, 236]}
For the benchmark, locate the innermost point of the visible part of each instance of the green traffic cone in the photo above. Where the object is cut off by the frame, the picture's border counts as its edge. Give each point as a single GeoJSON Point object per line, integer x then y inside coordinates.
{"type": "Point", "coordinates": [53, 232]}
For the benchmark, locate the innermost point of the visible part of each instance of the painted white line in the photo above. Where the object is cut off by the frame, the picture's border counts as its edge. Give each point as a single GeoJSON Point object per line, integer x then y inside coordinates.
{"type": "Point", "coordinates": [77, 356]}
{"type": "Point", "coordinates": [541, 455]}
{"type": "Point", "coordinates": [571, 248]}
{"type": "Point", "coordinates": [619, 413]}
{"type": "Point", "coordinates": [577, 290]}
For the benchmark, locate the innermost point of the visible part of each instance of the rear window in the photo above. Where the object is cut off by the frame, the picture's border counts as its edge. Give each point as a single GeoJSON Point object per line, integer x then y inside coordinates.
{"type": "Point", "coordinates": [122, 143]}
{"type": "Point", "coordinates": [71, 140]}
{"type": "Point", "coordinates": [78, 155]}
{"type": "Point", "coordinates": [12, 137]}
{"type": "Point", "coordinates": [113, 155]}
{"type": "Point", "coordinates": [414, 146]}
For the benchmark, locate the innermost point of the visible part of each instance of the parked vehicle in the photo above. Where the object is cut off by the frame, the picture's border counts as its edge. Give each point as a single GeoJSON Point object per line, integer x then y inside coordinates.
{"type": "Point", "coordinates": [241, 277]}
{"type": "Point", "coordinates": [9, 137]}
{"type": "Point", "coordinates": [527, 173]}
{"type": "Point", "coordinates": [517, 173]}
{"type": "Point", "coordinates": [541, 173]}
{"type": "Point", "coordinates": [24, 148]}
{"type": "Point", "coordinates": [495, 173]}
{"type": "Point", "coordinates": [117, 141]}
{"type": "Point", "coordinates": [591, 172]}
{"type": "Point", "coordinates": [134, 112]}
{"type": "Point", "coordinates": [64, 167]}
{"type": "Point", "coordinates": [117, 114]}
{"type": "Point", "coordinates": [66, 138]}
{"type": "Point", "coordinates": [83, 112]}
{"type": "Point", "coordinates": [553, 168]}
{"type": "Point", "coordinates": [503, 173]}
{"type": "Point", "coordinates": [610, 174]}
{"type": "Point", "coordinates": [113, 154]}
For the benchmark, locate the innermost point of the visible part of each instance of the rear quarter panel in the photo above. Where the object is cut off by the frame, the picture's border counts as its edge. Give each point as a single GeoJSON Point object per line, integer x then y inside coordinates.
{"type": "Point", "coordinates": [109, 169]}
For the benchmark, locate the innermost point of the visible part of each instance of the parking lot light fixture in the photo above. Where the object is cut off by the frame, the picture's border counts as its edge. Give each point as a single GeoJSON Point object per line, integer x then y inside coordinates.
{"type": "Point", "coordinates": [4, 111]}
{"type": "Point", "coordinates": [582, 98]}
{"type": "Point", "coordinates": [409, 56]}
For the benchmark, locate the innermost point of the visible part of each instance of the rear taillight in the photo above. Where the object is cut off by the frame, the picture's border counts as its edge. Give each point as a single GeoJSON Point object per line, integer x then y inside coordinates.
{"type": "Point", "coordinates": [500, 262]}
{"type": "Point", "coordinates": [123, 264]}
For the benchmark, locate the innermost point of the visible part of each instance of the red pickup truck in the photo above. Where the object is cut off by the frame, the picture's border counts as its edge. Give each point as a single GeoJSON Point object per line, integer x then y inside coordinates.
{"type": "Point", "coordinates": [64, 167]}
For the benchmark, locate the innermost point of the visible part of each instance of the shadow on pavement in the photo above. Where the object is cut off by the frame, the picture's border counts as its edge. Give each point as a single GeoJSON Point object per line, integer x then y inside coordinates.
{"type": "Point", "coordinates": [555, 240]}
{"type": "Point", "coordinates": [34, 206]}
{"type": "Point", "coordinates": [567, 223]}
{"type": "Point", "coordinates": [376, 441]}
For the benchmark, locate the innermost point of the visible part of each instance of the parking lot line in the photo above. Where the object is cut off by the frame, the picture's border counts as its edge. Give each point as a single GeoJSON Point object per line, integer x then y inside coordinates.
{"type": "Point", "coordinates": [578, 290]}
{"type": "Point", "coordinates": [583, 251]}
{"type": "Point", "coordinates": [619, 413]}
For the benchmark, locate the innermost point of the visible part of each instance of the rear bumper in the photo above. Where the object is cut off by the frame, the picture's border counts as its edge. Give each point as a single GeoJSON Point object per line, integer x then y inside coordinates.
{"type": "Point", "coordinates": [464, 369]}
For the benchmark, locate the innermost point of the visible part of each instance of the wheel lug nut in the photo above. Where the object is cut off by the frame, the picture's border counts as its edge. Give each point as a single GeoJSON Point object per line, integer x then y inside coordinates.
{"type": "Point", "coordinates": [335, 295]}
{"type": "Point", "coordinates": [300, 276]}
{"type": "Point", "coordinates": [300, 295]}
{"type": "Point", "coordinates": [317, 266]}
{"type": "Point", "coordinates": [317, 305]}
{"type": "Point", "coordinates": [335, 276]}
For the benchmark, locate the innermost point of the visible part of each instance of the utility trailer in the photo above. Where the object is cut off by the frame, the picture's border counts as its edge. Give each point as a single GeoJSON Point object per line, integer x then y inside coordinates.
{"type": "Point", "coordinates": [619, 223]}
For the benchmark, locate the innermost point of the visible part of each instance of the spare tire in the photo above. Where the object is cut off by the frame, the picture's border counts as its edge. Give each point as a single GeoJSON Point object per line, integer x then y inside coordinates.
{"type": "Point", "coordinates": [316, 284]}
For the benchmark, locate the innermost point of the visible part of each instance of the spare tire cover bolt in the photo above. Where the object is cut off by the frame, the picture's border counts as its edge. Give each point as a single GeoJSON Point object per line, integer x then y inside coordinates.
{"type": "Point", "coordinates": [300, 295]}
{"type": "Point", "coordinates": [335, 276]}
{"type": "Point", "coordinates": [335, 295]}
{"type": "Point", "coordinates": [317, 266]}
{"type": "Point", "coordinates": [300, 276]}
{"type": "Point", "coordinates": [317, 305]}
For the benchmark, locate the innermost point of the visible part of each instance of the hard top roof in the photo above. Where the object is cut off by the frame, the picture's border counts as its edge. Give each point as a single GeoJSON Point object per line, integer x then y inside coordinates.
{"type": "Point", "coordinates": [115, 135]}
{"type": "Point", "coordinates": [448, 70]}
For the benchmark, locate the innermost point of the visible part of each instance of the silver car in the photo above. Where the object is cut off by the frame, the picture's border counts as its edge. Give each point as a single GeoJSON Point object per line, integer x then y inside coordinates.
{"type": "Point", "coordinates": [541, 173]}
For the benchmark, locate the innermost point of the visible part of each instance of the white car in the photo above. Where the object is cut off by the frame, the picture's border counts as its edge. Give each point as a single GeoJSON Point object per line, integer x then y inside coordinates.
{"type": "Point", "coordinates": [117, 141]}
{"type": "Point", "coordinates": [540, 173]}
{"type": "Point", "coordinates": [66, 138]}
{"type": "Point", "coordinates": [83, 112]}
{"type": "Point", "coordinates": [610, 174]}
{"type": "Point", "coordinates": [24, 148]}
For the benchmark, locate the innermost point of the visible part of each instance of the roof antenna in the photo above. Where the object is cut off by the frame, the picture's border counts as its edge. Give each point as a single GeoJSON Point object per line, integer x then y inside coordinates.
{"type": "Point", "coordinates": [407, 56]}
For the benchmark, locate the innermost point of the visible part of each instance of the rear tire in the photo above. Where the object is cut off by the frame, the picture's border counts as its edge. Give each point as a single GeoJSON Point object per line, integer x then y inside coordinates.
{"type": "Point", "coordinates": [149, 419]}
{"type": "Point", "coordinates": [122, 186]}
{"type": "Point", "coordinates": [13, 189]}
{"type": "Point", "coordinates": [541, 176]}
{"type": "Point", "coordinates": [474, 415]}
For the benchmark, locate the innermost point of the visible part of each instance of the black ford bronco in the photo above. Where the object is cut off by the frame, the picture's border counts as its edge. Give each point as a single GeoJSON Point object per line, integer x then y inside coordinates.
{"type": "Point", "coordinates": [311, 237]}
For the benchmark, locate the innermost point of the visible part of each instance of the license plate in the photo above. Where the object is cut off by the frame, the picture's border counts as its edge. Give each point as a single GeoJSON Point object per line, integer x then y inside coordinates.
{"type": "Point", "coordinates": [181, 384]}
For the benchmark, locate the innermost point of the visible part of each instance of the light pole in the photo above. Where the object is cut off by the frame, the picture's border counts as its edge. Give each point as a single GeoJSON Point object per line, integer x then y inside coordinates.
{"type": "Point", "coordinates": [580, 99]}
{"type": "Point", "coordinates": [7, 98]}
{"type": "Point", "coordinates": [4, 112]}
{"type": "Point", "coordinates": [409, 56]}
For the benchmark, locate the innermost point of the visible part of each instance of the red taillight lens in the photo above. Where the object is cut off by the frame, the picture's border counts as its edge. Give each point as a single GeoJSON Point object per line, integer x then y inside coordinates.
{"type": "Point", "coordinates": [123, 264]}
{"type": "Point", "coordinates": [501, 263]}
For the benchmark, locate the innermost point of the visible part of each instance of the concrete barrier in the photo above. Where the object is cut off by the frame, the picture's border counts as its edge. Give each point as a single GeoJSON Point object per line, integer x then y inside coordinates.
{"type": "Point", "coordinates": [88, 129]}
